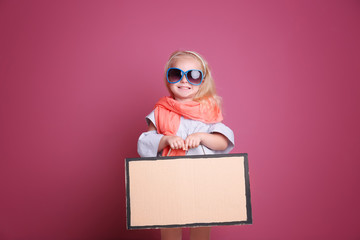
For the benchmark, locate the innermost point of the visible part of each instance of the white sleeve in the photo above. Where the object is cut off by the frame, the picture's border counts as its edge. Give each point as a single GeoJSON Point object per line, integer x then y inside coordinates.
{"type": "Point", "coordinates": [151, 118]}
{"type": "Point", "coordinates": [148, 144]}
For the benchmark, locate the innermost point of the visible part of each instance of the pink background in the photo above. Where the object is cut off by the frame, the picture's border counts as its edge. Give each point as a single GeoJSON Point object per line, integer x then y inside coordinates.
{"type": "Point", "coordinates": [78, 77]}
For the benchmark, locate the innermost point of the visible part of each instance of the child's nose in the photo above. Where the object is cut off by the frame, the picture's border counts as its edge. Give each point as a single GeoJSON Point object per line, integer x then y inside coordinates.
{"type": "Point", "coordinates": [183, 80]}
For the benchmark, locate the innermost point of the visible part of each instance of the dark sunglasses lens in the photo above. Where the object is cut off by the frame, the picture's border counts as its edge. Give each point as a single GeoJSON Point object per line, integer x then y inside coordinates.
{"type": "Point", "coordinates": [194, 76]}
{"type": "Point", "coordinates": [174, 75]}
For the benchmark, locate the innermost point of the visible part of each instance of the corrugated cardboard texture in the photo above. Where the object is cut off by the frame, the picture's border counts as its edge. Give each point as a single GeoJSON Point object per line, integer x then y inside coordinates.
{"type": "Point", "coordinates": [187, 191]}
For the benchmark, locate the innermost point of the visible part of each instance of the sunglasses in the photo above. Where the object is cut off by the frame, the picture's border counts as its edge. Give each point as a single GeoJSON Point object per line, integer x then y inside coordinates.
{"type": "Point", "coordinates": [194, 77]}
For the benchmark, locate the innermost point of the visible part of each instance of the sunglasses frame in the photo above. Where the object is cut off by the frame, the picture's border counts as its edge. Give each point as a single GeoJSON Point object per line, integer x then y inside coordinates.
{"type": "Point", "coordinates": [184, 74]}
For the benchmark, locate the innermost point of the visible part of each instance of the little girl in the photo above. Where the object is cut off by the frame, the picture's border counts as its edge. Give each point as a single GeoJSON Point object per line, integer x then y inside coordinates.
{"type": "Point", "coordinates": [188, 122]}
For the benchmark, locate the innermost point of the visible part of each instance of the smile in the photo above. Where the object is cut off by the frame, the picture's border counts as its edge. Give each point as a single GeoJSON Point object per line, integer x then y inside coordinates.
{"type": "Point", "coordinates": [184, 87]}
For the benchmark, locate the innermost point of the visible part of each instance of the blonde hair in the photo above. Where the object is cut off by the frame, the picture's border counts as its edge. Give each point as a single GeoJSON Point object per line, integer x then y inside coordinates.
{"type": "Point", "coordinates": [207, 90]}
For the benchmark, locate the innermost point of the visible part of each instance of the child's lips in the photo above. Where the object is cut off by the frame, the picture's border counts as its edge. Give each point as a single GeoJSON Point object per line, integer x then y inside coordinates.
{"type": "Point", "coordinates": [184, 87]}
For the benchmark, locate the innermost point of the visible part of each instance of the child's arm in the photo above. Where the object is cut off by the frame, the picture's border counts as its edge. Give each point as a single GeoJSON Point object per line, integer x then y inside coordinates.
{"type": "Point", "coordinates": [175, 142]}
{"type": "Point", "coordinates": [214, 141]}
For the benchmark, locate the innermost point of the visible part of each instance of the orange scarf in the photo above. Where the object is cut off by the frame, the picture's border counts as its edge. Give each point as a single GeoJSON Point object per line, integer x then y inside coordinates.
{"type": "Point", "coordinates": [168, 112]}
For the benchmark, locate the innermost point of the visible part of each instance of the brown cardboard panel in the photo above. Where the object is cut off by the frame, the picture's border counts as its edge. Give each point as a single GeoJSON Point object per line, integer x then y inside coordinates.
{"type": "Point", "coordinates": [187, 191]}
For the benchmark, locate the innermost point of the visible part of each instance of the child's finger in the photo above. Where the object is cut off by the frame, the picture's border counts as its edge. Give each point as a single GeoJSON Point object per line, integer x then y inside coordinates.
{"type": "Point", "coordinates": [194, 143]}
{"type": "Point", "coordinates": [174, 145]}
{"type": "Point", "coordinates": [186, 142]}
{"type": "Point", "coordinates": [177, 144]}
{"type": "Point", "coordinates": [191, 143]}
{"type": "Point", "coordinates": [182, 145]}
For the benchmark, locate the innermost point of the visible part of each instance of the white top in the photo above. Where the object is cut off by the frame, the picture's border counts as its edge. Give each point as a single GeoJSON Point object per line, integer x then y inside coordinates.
{"type": "Point", "coordinates": [148, 142]}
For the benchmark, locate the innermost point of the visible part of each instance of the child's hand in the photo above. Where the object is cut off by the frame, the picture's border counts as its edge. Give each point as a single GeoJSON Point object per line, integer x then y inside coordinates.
{"type": "Point", "coordinates": [193, 140]}
{"type": "Point", "coordinates": [176, 142]}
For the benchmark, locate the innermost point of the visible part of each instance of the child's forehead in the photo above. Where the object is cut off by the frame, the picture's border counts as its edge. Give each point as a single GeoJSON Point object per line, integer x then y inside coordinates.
{"type": "Point", "coordinates": [185, 60]}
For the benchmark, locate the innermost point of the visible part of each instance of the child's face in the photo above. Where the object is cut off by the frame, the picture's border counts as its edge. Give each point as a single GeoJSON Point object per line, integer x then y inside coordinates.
{"type": "Point", "coordinates": [184, 91]}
